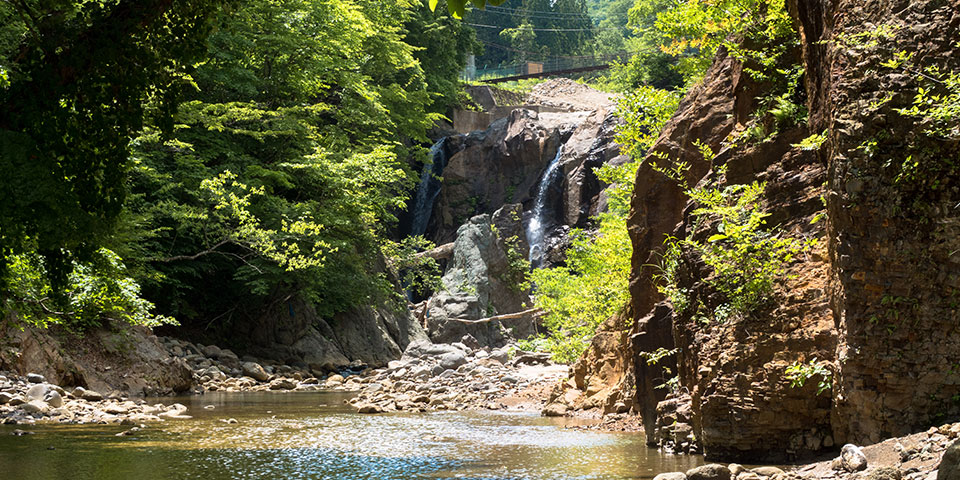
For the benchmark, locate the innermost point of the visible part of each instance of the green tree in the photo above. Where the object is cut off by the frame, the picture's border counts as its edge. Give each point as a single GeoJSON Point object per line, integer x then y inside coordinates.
{"type": "Point", "coordinates": [76, 76]}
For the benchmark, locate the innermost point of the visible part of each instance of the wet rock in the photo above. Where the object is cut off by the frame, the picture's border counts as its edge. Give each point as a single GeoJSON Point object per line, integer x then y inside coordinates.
{"type": "Point", "coordinates": [852, 458]}
{"type": "Point", "coordinates": [949, 468]}
{"type": "Point", "coordinates": [369, 408]}
{"type": "Point", "coordinates": [19, 433]}
{"type": "Point", "coordinates": [671, 476]}
{"type": "Point", "coordinates": [712, 471]}
{"type": "Point", "coordinates": [554, 410]}
{"type": "Point", "coordinates": [283, 384]}
{"type": "Point", "coordinates": [35, 378]}
{"type": "Point", "coordinates": [255, 370]}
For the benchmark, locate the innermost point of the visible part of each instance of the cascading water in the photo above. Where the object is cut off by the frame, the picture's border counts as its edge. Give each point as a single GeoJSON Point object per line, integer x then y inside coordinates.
{"type": "Point", "coordinates": [536, 229]}
{"type": "Point", "coordinates": [428, 190]}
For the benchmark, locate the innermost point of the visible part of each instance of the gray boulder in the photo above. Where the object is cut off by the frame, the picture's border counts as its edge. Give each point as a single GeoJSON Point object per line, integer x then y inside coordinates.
{"type": "Point", "coordinates": [255, 371]}
{"type": "Point", "coordinates": [452, 360]}
{"type": "Point", "coordinates": [479, 283]}
{"type": "Point", "coordinates": [950, 463]}
{"type": "Point", "coordinates": [710, 471]}
{"type": "Point", "coordinates": [671, 476]}
{"type": "Point", "coordinates": [852, 458]}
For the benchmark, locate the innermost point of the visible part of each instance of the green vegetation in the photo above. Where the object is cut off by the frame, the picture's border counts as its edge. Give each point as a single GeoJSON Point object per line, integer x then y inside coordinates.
{"type": "Point", "coordinates": [588, 290]}
{"type": "Point", "coordinates": [799, 373]}
{"type": "Point", "coordinates": [250, 151]}
{"type": "Point", "coordinates": [746, 259]}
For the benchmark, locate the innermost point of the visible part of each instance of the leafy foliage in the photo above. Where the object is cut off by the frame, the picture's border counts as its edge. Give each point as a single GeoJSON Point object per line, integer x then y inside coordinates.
{"type": "Point", "coordinates": [590, 289]}
{"type": "Point", "coordinates": [799, 373]}
{"type": "Point", "coordinates": [76, 75]}
{"type": "Point", "coordinates": [419, 273]}
{"type": "Point", "coordinates": [95, 291]}
{"type": "Point", "coordinates": [644, 113]}
{"type": "Point", "coordinates": [745, 258]}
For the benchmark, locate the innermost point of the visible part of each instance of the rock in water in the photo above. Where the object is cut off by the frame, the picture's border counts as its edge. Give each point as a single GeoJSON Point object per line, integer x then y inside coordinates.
{"type": "Point", "coordinates": [711, 471]}
{"type": "Point", "coordinates": [852, 458]}
{"type": "Point", "coordinates": [554, 410]}
{"type": "Point", "coordinates": [671, 476]}
{"type": "Point", "coordinates": [950, 463]}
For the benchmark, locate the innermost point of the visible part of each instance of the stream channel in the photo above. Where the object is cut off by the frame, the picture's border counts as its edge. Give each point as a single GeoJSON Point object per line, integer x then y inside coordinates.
{"type": "Point", "coordinates": [313, 435]}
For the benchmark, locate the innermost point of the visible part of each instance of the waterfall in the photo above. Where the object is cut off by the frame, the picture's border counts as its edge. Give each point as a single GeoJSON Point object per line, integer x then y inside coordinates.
{"type": "Point", "coordinates": [539, 220]}
{"type": "Point", "coordinates": [428, 190]}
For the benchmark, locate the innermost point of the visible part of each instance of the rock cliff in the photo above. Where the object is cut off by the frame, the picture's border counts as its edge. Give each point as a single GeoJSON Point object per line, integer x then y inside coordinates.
{"type": "Point", "coordinates": [873, 301]}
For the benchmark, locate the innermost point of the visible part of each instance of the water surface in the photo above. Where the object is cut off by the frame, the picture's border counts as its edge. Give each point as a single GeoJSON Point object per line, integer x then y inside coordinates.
{"type": "Point", "coordinates": [313, 435]}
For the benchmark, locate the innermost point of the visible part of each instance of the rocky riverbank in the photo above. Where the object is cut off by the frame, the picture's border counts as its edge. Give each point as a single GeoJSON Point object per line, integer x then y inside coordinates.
{"type": "Point", "coordinates": [459, 376]}
{"type": "Point", "coordinates": [930, 455]}
{"type": "Point", "coordinates": [31, 399]}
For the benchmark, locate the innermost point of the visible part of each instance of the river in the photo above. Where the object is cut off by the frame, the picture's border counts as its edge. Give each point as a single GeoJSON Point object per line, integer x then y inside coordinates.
{"type": "Point", "coordinates": [313, 435]}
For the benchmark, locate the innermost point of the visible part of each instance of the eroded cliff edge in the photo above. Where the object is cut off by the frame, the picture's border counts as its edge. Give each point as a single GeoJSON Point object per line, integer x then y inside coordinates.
{"type": "Point", "coordinates": [873, 301]}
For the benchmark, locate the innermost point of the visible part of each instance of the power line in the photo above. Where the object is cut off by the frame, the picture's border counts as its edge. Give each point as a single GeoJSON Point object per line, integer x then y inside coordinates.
{"type": "Point", "coordinates": [539, 16]}
{"type": "Point", "coordinates": [520, 10]}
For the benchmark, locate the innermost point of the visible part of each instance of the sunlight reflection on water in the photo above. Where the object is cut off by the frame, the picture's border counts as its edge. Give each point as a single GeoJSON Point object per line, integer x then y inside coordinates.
{"type": "Point", "coordinates": [312, 436]}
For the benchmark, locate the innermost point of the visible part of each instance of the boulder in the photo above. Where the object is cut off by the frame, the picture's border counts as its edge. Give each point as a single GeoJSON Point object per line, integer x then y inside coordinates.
{"type": "Point", "coordinates": [369, 408]}
{"type": "Point", "coordinates": [255, 371]}
{"type": "Point", "coordinates": [37, 391]}
{"type": "Point", "coordinates": [852, 458]}
{"type": "Point", "coordinates": [767, 471]}
{"type": "Point", "coordinates": [554, 410]}
{"type": "Point", "coordinates": [950, 463]}
{"type": "Point", "coordinates": [710, 471]}
{"type": "Point", "coordinates": [884, 473]}
{"type": "Point", "coordinates": [452, 360]}
{"type": "Point", "coordinates": [53, 399]}
{"type": "Point", "coordinates": [35, 406]}
{"type": "Point", "coordinates": [211, 351]}
{"type": "Point", "coordinates": [35, 378]}
{"type": "Point", "coordinates": [479, 283]}
{"type": "Point", "coordinates": [671, 476]}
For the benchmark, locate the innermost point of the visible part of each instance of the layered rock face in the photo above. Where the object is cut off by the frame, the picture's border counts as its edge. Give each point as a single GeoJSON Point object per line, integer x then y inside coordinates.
{"type": "Point", "coordinates": [873, 300]}
{"type": "Point", "coordinates": [893, 217]}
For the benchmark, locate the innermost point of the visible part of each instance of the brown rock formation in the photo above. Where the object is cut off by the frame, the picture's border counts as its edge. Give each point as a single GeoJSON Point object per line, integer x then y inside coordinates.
{"type": "Point", "coordinates": [877, 298]}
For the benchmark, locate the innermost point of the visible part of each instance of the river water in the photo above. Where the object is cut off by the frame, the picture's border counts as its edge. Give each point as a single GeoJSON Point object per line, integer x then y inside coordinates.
{"type": "Point", "coordinates": [313, 435]}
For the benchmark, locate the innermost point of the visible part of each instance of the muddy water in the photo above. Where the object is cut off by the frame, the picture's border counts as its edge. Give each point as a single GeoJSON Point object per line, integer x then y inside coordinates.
{"type": "Point", "coordinates": [312, 435]}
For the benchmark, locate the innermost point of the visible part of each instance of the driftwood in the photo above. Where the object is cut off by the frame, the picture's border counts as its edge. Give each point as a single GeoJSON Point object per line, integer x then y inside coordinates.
{"type": "Point", "coordinates": [533, 312]}
{"type": "Point", "coordinates": [443, 252]}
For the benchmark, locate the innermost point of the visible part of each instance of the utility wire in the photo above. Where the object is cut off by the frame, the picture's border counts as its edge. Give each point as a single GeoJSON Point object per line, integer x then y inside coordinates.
{"type": "Point", "coordinates": [523, 11]}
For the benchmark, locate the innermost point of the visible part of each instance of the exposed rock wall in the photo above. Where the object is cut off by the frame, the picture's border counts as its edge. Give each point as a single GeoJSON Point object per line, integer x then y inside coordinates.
{"type": "Point", "coordinates": [893, 217]}
{"type": "Point", "coordinates": [479, 283]}
{"type": "Point", "coordinates": [112, 358]}
{"type": "Point", "coordinates": [876, 299]}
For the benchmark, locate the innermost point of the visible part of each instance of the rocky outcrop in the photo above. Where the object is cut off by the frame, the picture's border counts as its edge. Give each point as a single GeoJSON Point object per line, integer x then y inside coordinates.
{"type": "Point", "coordinates": [116, 357]}
{"type": "Point", "coordinates": [892, 200]}
{"type": "Point", "coordinates": [497, 166]}
{"type": "Point", "coordinates": [873, 301]}
{"type": "Point", "coordinates": [480, 282]}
